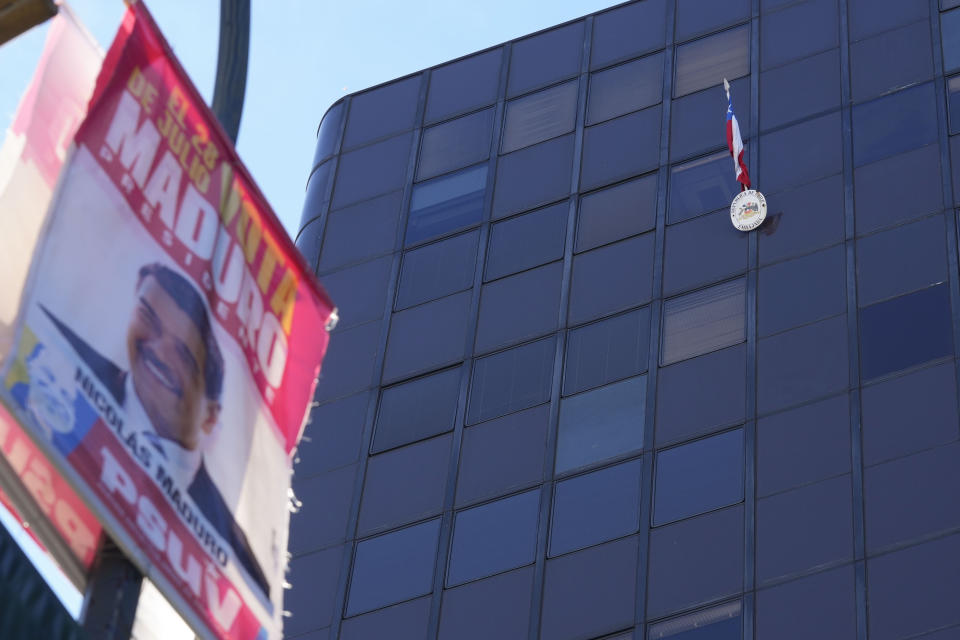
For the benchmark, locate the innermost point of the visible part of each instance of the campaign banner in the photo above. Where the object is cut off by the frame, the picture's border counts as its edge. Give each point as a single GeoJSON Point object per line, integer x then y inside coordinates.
{"type": "Point", "coordinates": [33, 150]}
{"type": "Point", "coordinates": [169, 341]}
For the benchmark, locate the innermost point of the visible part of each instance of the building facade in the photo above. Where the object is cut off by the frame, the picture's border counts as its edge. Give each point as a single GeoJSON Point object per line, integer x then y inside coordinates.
{"type": "Point", "coordinates": [568, 400]}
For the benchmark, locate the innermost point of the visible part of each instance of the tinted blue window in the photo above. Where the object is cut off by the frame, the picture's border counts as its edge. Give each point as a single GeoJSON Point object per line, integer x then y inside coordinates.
{"type": "Point", "coordinates": [620, 148]}
{"type": "Point", "coordinates": [802, 153]}
{"type": "Point", "coordinates": [905, 331]}
{"type": "Point", "coordinates": [438, 269]}
{"type": "Point", "coordinates": [421, 467]}
{"type": "Point", "coordinates": [591, 592]}
{"type": "Point", "coordinates": [953, 103]}
{"type": "Point", "coordinates": [801, 290]}
{"type": "Point", "coordinates": [783, 612]}
{"type": "Point", "coordinates": [594, 291]}
{"type": "Point", "coordinates": [617, 212]}
{"type": "Point", "coordinates": [803, 219]}
{"type": "Point", "coordinates": [797, 31]}
{"type": "Point", "coordinates": [910, 591]}
{"type": "Point", "coordinates": [502, 454]}
{"type": "Point", "coordinates": [533, 176]}
{"type": "Point", "coordinates": [701, 251]}
{"type": "Point", "coordinates": [894, 124]}
{"type": "Point", "coordinates": [406, 621]}
{"type": "Point", "coordinates": [327, 133]}
{"type": "Point", "coordinates": [903, 259]}
{"type": "Point", "coordinates": [701, 186]}
{"type": "Point", "coordinates": [697, 477]}
{"type": "Point", "coordinates": [348, 364]}
{"type": "Point", "coordinates": [799, 89]}
{"type": "Point", "coordinates": [527, 241]}
{"type": "Point", "coordinates": [457, 87]}
{"type": "Point", "coordinates": [950, 34]}
{"type": "Point", "coordinates": [332, 437]}
{"type": "Point", "coordinates": [519, 307]}
{"type": "Point", "coordinates": [802, 364]}
{"type": "Point", "coordinates": [803, 528]}
{"type": "Point", "coordinates": [595, 507]}
{"type": "Point", "coordinates": [494, 537]}
{"type": "Point", "coordinates": [626, 88]}
{"type": "Point", "coordinates": [719, 379]}
{"type": "Point", "coordinates": [906, 499]}
{"type": "Point", "coordinates": [891, 60]}
{"type": "Point", "coordinates": [709, 547]}
{"type": "Point", "coordinates": [544, 58]}
{"type": "Point", "coordinates": [360, 291]}
{"type": "Point", "coordinates": [880, 199]}
{"type": "Point", "coordinates": [426, 337]}
{"type": "Point", "coordinates": [539, 116]}
{"type": "Point", "coordinates": [455, 144]}
{"type": "Point", "coordinates": [702, 16]}
{"type": "Point", "coordinates": [696, 125]}
{"type": "Point", "coordinates": [361, 231]}
{"type": "Point", "coordinates": [803, 445]}
{"type": "Point", "coordinates": [869, 16]}
{"type": "Point", "coordinates": [416, 410]}
{"type": "Point", "coordinates": [607, 350]}
{"type": "Point", "coordinates": [925, 400]}
{"type": "Point", "coordinates": [511, 380]}
{"type": "Point", "coordinates": [628, 31]}
{"type": "Point", "coordinates": [718, 623]}
{"type": "Point", "coordinates": [317, 197]}
{"type": "Point", "coordinates": [601, 424]}
{"type": "Point", "coordinates": [704, 321]}
{"type": "Point", "coordinates": [704, 63]}
{"type": "Point", "coordinates": [466, 611]}
{"type": "Point", "coordinates": [382, 111]}
{"type": "Point", "coordinates": [446, 204]}
{"type": "Point", "coordinates": [393, 567]}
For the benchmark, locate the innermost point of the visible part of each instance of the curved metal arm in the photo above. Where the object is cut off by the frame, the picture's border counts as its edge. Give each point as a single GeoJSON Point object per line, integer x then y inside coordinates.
{"type": "Point", "coordinates": [231, 83]}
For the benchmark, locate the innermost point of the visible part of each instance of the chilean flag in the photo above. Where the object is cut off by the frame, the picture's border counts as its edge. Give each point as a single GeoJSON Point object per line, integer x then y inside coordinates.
{"type": "Point", "coordinates": [735, 142]}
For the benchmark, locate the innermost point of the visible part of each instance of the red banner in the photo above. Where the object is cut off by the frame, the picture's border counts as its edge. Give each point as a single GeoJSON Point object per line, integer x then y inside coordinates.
{"type": "Point", "coordinates": [168, 343]}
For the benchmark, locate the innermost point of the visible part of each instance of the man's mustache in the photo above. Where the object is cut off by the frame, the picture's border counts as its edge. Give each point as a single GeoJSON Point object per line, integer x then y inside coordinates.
{"type": "Point", "coordinates": [159, 369]}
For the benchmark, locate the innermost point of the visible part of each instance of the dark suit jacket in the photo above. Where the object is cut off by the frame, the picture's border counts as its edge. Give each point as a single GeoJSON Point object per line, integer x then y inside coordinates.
{"type": "Point", "coordinates": [202, 489]}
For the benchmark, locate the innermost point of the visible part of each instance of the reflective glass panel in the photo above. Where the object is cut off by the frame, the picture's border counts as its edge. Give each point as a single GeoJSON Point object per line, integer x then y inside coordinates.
{"type": "Point", "coordinates": [416, 410]}
{"type": "Point", "coordinates": [545, 58]}
{"type": "Point", "coordinates": [540, 116]}
{"type": "Point", "coordinates": [701, 186]}
{"type": "Point", "coordinates": [494, 537]}
{"type": "Point", "coordinates": [617, 212]}
{"type": "Point", "coordinates": [511, 380]}
{"type": "Point", "coordinates": [446, 204]}
{"type": "Point", "coordinates": [704, 321]}
{"type": "Point", "coordinates": [393, 567]}
{"type": "Point", "coordinates": [437, 269]}
{"type": "Point", "coordinates": [717, 623]}
{"type": "Point", "coordinates": [527, 241]}
{"type": "Point", "coordinates": [905, 331]}
{"type": "Point", "coordinates": [950, 35]}
{"type": "Point", "coordinates": [705, 62]}
{"type": "Point", "coordinates": [455, 144]}
{"type": "Point", "coordinates": [698, 477]}
{"type": "Point", "coordinates": [601, 424]}
{"type": "Point", "coordinates": [953, 103]}
{"type": "Point", "coordinates": [595, 507]}
{"type": "Point", "coordinates": [626, 88]}
{"type": "Point", "coordinates": [893, 124]}
{"type": "Point", "coordinates": [608, 350]}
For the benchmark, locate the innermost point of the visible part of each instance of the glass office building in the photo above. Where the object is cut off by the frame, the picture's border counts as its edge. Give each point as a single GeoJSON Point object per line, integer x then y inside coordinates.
{"type": "Point", "coordinates": [568, 400]}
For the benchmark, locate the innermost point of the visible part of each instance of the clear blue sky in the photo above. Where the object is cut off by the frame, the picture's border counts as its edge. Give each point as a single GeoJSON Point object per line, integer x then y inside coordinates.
{"type": "Point", "coordinates": [304, 55]}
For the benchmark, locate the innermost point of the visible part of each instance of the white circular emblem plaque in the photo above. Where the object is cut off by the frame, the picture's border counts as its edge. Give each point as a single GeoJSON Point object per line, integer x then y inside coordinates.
{"type": "Point", "coordinates": [748, 210]}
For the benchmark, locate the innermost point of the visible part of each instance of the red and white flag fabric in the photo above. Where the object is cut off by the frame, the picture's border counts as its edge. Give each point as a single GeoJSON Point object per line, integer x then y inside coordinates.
{"type": "Point", "coordinates": [735, 142]}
